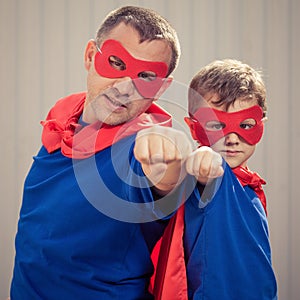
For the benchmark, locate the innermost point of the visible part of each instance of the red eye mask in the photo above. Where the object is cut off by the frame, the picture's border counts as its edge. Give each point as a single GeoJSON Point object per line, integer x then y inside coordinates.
{"type": "Point", "coordinates": [134, 68]}
{"type": "Point", "coordinates": [226, 123]}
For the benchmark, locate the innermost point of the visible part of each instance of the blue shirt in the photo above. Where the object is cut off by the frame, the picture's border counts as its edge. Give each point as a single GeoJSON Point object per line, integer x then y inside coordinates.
{"type": "Point", "coordinates": [74, 241]}
{"type": "Point", "coordinates": [226, 241]}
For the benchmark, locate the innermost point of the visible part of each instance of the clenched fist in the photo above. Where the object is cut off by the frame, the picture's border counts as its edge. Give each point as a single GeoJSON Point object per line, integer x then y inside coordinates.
{"type": "Point", "coordinates": [205, 164]}
{"type": "Point", "coordinates": [162, 151]}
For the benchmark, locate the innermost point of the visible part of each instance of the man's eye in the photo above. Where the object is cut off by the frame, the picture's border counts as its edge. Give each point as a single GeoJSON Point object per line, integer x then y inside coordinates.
{"type": "Point", "coordinates": [248, 124]}
{"type": "Point", "coordinates": [117, 63]}
{"type": "Point", "coordinates": [147, 76]}
{"type": "Point", "coordinates": [214, 125]}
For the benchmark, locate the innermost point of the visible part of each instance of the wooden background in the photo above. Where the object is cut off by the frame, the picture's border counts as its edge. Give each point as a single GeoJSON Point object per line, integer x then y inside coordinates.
{"type": "Point", "coordinates": [42, 46]}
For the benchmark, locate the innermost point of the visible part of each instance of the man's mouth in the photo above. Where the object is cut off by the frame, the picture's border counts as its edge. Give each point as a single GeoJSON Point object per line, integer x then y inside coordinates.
{"type": "Point", "coordinates": [116, 103]}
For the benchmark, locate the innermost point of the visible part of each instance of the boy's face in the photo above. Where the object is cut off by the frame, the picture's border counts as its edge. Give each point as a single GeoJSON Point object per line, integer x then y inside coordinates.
{"type": "Point", "coordinates": [233, 147]}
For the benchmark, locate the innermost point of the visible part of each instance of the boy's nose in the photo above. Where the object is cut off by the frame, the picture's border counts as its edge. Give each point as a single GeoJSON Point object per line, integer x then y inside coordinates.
{"type": "Point", "coordinates": [232, 138]}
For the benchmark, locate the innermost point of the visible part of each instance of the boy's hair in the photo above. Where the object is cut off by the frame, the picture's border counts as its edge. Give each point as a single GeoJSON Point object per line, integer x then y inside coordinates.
{"type": "Point", "coordinates": [149, 24]}
{"type": "Point", "coordinates": [229, 79]}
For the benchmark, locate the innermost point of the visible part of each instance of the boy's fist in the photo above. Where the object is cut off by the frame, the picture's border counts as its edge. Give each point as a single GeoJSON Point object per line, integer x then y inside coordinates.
{"type": "Point", "coordinates": [205, 164]}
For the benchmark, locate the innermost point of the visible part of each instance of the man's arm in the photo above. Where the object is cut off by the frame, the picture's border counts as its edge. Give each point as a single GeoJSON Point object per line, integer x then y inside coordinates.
{"type": "Point", "coordinates": [162, 152]}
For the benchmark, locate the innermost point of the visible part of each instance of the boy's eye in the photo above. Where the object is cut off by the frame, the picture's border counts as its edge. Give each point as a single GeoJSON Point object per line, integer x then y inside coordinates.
{"type": "Point", "coordinates": [117, 63]}
{"type": "Point", "coordinates": [214, 125]}
{"type": "Point", "coordinates": [248, 124]}
{"type": "Point", "coordinates": [147, 75]}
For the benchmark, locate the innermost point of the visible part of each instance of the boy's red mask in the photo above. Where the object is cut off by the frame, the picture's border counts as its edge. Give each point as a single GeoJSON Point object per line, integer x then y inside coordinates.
{"type": "Point", "coordinates": [134, 68]}
{"type": "Point", "coordinates": [230, 122]}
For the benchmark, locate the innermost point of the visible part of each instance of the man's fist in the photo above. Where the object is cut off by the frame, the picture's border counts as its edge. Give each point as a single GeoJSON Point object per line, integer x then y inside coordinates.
{"type": "Point", "coordinates": [162, 152]}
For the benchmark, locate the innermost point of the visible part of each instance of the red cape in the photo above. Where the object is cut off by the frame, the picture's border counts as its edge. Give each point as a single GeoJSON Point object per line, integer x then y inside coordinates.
{"type": "Point", "coordinates": [62, 131]}
{"type": "Point", "coordinates": [169, 281]}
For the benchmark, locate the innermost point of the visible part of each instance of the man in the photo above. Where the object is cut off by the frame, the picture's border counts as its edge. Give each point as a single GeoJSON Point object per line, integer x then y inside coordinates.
{"type": "Point", "coordinates": [88, 221]}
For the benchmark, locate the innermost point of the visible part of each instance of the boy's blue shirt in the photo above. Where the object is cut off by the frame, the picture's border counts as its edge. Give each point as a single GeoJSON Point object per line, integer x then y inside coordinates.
{"type": "Point", "coordinates": [226, 243]}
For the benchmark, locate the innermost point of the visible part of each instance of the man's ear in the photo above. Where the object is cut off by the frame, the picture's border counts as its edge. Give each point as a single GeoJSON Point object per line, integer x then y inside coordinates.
{"type": "Point", "coordinates": [191, 125]}
{"type": "Point", "coordinates": [89, 53]}
{"type": "Point", "coordinates": [165, 85]}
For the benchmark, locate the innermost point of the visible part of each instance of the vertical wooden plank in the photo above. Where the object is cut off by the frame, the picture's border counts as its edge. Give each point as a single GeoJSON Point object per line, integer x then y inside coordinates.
{"type": "Point", "coordinates": [27, 81]}
{"type": "Point", "coordinates": [202, 48]}
{"type": "Point", "coordinates": [54, 53]}
{"type": "Point", "coordinates": [174, 99]}
{"type": "Point", "coordinates": [252, 43]}
{"type": "Point", "coordinates": [252, 33]}
{"type": "Point", "coordinates": [99, 10]}
{"type": "Point", "coordinates": [227, 29]}
{"type": "Point", "coordinates": [278, 140]}
{"type": "Point", "coordinates": [20, 75]}
{"type": "Point", "coordinates": [178, 14]}
{"type": "Point", "coordinates": [294, 145]}
{"type": "Point", "coordinates": [27, 87]}
{"type": "Point", "coordinates": [77, 36]}
{"type": "Point", "coordinates": [157, 5]}
{"type": "Point", "coordinates": [8, 120]}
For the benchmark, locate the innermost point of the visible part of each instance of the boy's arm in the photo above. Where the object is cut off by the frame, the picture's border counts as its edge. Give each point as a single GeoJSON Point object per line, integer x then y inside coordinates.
{"type": "Point", "coordinates": [162, 152]}
{"type": "Point", "coordinates": [205, 164]}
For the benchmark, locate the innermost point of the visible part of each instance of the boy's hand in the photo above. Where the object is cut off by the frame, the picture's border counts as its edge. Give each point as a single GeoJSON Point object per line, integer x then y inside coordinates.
{"type": "Point", "coordinates": [205, 164]}
{"type": "Point", "coordinates": [162, 152]}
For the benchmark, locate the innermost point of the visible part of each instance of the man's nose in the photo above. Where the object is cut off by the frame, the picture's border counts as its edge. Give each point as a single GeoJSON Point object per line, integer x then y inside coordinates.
{"type": "Point", "coordinates": [125, 86]}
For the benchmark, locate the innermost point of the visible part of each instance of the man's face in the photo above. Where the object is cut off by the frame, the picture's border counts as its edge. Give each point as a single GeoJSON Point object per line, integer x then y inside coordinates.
{"type": "Point", "coordinates": [118, 100]}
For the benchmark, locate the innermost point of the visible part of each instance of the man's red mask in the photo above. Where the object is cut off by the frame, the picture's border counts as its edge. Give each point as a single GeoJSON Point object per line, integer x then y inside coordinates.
{"type": "Point", "coordinates": [134, 68]}
{"type": "Point", "coordinates": [226, 123]}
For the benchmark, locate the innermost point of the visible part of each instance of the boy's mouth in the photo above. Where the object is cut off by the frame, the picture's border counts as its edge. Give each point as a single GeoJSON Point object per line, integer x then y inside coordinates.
{"type": "Point", "coordinates": [231, 152]}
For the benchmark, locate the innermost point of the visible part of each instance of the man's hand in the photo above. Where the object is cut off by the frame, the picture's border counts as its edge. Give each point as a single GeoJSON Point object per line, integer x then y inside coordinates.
{"type": "Point", "coordinates": [162, 152]}
{"type": "Point", "coordinates": [205, 164]}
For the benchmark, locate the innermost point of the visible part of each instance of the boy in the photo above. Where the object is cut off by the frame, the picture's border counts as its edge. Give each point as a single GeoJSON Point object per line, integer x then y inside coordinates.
{"type": "Point", "coordinates": [227, 252]}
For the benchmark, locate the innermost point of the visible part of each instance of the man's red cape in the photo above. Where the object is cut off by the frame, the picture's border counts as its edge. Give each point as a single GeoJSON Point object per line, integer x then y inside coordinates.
{"type": "Point", "coordinates": [62, 131]}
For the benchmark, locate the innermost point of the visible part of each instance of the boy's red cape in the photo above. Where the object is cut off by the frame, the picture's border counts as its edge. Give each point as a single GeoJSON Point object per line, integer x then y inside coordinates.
{"type": "Point", "coordinates": [169, 281]}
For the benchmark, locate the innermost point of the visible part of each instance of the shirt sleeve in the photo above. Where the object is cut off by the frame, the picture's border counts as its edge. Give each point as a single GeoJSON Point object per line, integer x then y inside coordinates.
{"type": "Point", "coordinates": [139, 190]}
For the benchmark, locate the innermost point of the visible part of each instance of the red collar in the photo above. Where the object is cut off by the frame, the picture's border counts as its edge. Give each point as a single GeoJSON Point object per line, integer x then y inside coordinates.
{"type": "Point", "coordinates": [61, 128]}
{"type": "Point", "coordinates": [247, 177]}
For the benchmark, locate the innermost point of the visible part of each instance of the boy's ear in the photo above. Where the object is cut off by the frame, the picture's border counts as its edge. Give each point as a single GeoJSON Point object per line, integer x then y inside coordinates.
{"type": "Point", "coordinates": [89, 53]}
{"type": "Point", "coordinates": [165, 85]}
{"type": "Point", "coordinates": [191, 125]}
